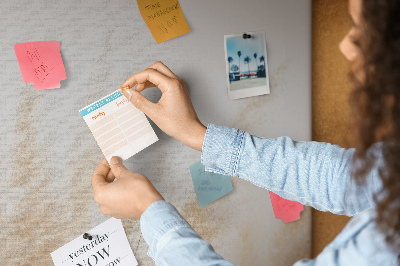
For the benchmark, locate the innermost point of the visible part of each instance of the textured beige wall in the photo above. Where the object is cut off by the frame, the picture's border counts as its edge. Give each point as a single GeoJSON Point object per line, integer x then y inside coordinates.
{"type": "Point", "coordinates": [331, 88]}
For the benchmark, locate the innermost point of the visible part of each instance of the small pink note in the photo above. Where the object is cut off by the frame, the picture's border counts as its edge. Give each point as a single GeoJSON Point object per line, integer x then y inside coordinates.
{"type": "Point", "coordinates": [41, 63]}
{"type": "Point", "coordinates": [284, 209]}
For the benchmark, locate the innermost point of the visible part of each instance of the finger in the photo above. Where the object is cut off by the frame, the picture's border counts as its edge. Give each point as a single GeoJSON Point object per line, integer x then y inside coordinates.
{"type": "Point", "coordinates": [100, 174]}
{"type": "Point", "coordinates": [139, 87]}
{"type": "Point", "coordinates": [140, 102]}
{"type": "Point", "coordinates": [159, 80]}
{"type": "Point", "coordinates": [110, 177]}
{"type": "Point", "coordinates": [118, 169]}
{"type": "Point", "coordinates": [104, 210]}
{"type": "Point", "coordinates": [160, 67]}
{"type": "Point", "coordinates": [142, 86]}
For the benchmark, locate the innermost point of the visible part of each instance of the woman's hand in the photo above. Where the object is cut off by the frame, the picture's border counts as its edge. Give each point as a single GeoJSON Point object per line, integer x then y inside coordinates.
{"type": "Point", "coordinates": [127, 197]}
{"type": "Point", "coordinates": [174, 112]}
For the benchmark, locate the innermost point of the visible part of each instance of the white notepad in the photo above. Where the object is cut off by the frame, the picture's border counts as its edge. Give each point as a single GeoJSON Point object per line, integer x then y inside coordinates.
{"type": "Point", "coordinates": [118, 126]}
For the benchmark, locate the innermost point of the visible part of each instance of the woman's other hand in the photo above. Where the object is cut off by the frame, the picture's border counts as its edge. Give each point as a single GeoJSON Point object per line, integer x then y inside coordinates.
{"type": "Point", "coordinates": [128, 197]}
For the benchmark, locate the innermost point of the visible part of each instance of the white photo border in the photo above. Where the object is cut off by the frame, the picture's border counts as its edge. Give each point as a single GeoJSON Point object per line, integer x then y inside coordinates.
{"type": "Point", "coordinates": [248, 92]}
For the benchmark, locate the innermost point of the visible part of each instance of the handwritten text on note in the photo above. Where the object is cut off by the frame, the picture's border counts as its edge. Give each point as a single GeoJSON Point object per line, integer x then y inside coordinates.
{"type": "Point", "coordinates": [41, 63]}
{"type": "Point", "coordinates": [164, 19]}
{"type": "Point", "coordinates": [209, 186]}
{"type": "Point", "coordinates": [284, 209]}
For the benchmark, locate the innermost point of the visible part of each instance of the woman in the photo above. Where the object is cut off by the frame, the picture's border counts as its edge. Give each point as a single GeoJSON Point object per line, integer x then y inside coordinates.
{"type": "Point", "coordinates": [316, 174]}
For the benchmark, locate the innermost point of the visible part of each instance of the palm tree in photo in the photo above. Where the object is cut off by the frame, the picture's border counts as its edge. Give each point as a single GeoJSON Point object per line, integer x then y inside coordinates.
{"type": "Point", "coordinates": [247, 60]}
{"type": "Point", "coordinates": [234, 68]}
{"type": "Point", "coordinates": [230, 60]}
{"type": "Point", "coordinates": [255, 59]}
{"type": "Point", "coordinates": [262, 59]}
{"type": "Point", "coordinates": [239, 55]}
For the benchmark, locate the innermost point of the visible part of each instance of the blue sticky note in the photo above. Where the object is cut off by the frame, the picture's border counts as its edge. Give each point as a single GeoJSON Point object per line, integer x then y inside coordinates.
{"type": "Point", "coordinates": [209, 186]}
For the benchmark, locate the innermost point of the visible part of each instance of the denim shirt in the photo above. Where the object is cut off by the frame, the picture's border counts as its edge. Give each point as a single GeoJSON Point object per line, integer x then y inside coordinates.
{"type": "Point", "coordinates": [312, 173]}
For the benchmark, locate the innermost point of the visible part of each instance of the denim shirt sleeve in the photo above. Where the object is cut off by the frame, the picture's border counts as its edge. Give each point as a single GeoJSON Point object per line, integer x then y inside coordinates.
{"type": "Point", "coordinates": [313, 173]}
{"type": "Point", "coordinates": [172, 241]}
{"type": "Point", "coordinates": [360, 243]}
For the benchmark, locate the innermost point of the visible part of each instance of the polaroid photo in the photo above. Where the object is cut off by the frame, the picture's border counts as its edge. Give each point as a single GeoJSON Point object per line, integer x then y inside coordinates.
{"type": "Point", "coordinates": [246, 65]}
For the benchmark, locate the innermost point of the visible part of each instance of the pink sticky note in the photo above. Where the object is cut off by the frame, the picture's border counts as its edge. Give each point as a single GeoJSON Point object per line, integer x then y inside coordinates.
{"type": "Point", "coordinates": [284, 209]}
{"type": "Point", "coordinates": [41, 63]}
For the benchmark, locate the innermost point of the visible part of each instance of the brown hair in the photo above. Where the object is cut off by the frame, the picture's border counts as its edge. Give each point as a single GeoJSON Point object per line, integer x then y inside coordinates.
{"type": "Point", "coordinates": [375, 102]}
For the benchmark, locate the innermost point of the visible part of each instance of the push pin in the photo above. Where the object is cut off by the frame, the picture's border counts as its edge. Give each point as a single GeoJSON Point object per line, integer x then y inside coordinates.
{"type": "Point", "coordinates": [87, 236]}
{"type": "Point", "coordinates": [125, 88]}
{"type": "Point", "coordinates": [246, 36]}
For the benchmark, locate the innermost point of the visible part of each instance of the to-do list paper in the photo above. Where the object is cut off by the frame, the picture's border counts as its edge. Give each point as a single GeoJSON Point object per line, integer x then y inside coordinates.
{"type": "Point", "coordinates": [118, 126]}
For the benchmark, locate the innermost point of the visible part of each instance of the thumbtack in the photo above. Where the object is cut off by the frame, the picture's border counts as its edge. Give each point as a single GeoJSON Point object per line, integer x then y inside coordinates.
{"type": "Point", "coordinates": [87, 236]}
{"type": "Point", "coordinates": [125, 88]}
{"type": "Point", "coordinates": [246, 36]}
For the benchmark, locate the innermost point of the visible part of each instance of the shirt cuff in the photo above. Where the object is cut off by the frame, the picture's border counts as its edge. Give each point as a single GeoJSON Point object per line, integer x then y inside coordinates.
{"type": "Point", "coordinates": [158, 219]}
{"type": "Point", "coordinates": [222, 148]}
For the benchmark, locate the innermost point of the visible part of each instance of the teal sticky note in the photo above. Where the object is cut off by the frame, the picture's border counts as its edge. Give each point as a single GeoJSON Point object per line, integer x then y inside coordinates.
{"type": "Point", "coordinates": [209, 186]}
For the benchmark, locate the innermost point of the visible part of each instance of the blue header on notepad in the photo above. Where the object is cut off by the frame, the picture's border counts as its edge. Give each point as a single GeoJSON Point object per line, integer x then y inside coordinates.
{"type": "Point", "coordinates": [100, 103]}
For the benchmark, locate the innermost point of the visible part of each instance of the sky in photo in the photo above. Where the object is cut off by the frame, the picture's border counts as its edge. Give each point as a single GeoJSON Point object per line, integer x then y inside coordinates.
{"type": "Point", "coordinates": [256, 44]}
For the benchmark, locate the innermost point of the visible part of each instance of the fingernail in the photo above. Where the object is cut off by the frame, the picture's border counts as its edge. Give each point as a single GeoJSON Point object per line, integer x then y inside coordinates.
{"type": "Point", "coordinates": [128, 94]}
{"type": "Point", "coordinates": [115, 160]}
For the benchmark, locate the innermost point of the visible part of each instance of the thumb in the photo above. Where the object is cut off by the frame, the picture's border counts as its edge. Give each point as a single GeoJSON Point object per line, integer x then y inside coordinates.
{"type": "Point", "coordinates": [100, 174]}
{"type": "Point", "coordinates": [117, 167]}
{"type": "Point", "coordinates": [138, 100]}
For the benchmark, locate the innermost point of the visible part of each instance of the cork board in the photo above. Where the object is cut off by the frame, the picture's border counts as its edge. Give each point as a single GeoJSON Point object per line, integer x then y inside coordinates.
{"type": "Point", "coordinates": [49, 154]}
{"type": "Point", "coordinates": [331, 88]}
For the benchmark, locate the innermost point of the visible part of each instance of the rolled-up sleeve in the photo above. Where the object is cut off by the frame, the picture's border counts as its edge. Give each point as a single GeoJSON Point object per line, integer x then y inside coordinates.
{"type": "Point", "coordinates": [316, 174]}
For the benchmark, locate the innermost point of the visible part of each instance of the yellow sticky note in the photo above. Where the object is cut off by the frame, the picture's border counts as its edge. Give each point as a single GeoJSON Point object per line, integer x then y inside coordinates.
{"type": "Point", "coordinates": [164, 18]}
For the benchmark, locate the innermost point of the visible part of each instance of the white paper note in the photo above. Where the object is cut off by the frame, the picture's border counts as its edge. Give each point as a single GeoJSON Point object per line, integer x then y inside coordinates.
{"type": "Point", "coordinates": [118, 126]}
{"type": "Point", "coordinates": [108, 247]}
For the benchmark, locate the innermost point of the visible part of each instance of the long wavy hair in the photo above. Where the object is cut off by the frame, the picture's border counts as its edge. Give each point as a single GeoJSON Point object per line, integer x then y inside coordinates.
{"type": "Point", "coordinates": [375, 103]}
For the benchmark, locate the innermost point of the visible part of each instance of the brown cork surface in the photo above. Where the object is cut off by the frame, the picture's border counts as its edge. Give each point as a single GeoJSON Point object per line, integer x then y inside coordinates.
{"type": "Point", "coordinates": [331, 88]}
